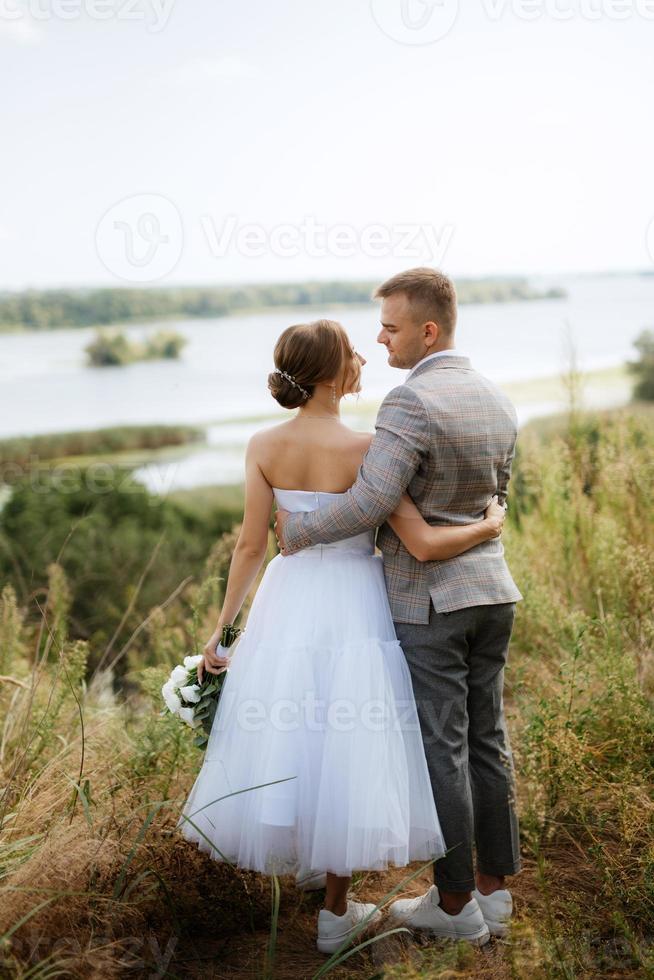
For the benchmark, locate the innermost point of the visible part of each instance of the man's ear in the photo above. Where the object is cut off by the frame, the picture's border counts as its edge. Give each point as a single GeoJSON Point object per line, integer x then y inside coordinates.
{"type": "Point", "coordinates": [431, 333]}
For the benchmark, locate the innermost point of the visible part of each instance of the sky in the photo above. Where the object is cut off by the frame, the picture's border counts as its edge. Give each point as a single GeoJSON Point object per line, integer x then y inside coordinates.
{"type": "Point", "coordinates": [198, 141]}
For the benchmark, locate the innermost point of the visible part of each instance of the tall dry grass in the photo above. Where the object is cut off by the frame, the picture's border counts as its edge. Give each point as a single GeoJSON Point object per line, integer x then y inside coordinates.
{"type": "Point", "coordinates": [96, 882]}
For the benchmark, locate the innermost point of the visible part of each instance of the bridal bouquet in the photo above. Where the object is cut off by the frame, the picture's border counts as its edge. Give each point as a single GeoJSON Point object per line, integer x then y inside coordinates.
{"type": "Point", "coordinates": [195, 703]}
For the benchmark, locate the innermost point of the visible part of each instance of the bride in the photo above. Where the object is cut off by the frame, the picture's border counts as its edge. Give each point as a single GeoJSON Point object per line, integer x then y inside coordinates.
{"type": "Point", "coordinates": [316, 735]}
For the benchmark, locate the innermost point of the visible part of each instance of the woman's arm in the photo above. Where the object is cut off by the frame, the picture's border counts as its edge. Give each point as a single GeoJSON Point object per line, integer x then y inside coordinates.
{"type": "Point", "coordinates": [427, 543]}
{"type": "Point", "coordinates": [248, 556]}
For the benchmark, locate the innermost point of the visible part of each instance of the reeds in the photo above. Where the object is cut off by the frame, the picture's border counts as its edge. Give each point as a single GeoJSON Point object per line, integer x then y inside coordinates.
{"type": "Point", "coordinates": [95, 881]}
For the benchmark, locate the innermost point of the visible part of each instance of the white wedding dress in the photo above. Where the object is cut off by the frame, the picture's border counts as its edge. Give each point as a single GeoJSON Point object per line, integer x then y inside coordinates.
{"type": "Point", "coordinates": [318, 701]}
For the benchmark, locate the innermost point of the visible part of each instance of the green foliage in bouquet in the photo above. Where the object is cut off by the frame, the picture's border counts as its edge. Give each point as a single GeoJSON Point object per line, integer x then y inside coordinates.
{"type": "Point", "coordinates": [211, 689]}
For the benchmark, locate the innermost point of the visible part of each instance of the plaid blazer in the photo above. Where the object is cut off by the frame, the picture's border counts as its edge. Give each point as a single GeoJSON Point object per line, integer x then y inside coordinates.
{"type": "Point", "coordinates": [447, 436]}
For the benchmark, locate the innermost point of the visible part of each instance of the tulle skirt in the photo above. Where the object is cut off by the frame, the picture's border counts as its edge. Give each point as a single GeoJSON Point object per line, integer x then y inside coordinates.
{"type": "Point", "coordinates": [315, 759]}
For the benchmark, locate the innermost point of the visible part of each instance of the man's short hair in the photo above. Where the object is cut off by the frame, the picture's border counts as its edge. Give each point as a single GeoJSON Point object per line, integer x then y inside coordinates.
{"type": "Point", "coordinates": [431, 294]}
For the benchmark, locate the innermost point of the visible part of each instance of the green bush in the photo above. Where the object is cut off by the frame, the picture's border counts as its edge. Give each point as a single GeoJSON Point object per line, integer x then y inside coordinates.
{"type": "Point", "coordinates": [107, 535]}
{"type": "Point", "coordinates": [643, 369]}
{"type": "Point", "coordinates": [163, 344]}
{"type": "Point", "coordinates": [109, 350]}
{"type": "Point", "coordinates": [113, 348]}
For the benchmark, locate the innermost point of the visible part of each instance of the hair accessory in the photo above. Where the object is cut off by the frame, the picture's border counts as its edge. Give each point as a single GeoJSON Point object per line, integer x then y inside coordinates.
{"type": "Point", "coordinates": [289, 377]}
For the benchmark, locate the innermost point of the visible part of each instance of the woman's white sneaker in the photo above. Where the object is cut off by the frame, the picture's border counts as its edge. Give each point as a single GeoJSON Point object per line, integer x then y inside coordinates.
{"type": "Point", "coordinates": [496, 909]}
{"type": "Point", "coordinates": [425, 913]}
{"type": "Point", "coordinates": [335, 930]}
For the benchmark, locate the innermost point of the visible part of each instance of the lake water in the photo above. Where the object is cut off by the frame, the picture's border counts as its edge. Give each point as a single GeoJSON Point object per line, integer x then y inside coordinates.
{"type": "Point", "coordinates": [220, 379]}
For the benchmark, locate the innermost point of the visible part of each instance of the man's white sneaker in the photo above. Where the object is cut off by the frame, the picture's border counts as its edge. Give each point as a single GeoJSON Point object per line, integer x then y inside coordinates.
{"type": "Point", "coordinates": [334, 930]}
{"type": "Point", "coordinates": [425, 913]}
{"type": "Point", "coordinates": [496, 909]}
{"type": "Point", "coordinates": [310, 881]}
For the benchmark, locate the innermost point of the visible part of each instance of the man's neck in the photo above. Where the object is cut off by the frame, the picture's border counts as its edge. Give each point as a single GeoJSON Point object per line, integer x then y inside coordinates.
{"type": "Point", "coordinates": [441, 350]}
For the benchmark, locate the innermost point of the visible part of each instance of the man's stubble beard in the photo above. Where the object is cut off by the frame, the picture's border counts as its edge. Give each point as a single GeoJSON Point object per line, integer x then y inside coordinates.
{"type": "Point", "coordinates": [405, 364]}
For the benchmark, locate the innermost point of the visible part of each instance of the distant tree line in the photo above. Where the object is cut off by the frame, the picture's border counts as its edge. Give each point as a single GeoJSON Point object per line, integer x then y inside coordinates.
{"type": "Point", "coordinates": [49, 309]}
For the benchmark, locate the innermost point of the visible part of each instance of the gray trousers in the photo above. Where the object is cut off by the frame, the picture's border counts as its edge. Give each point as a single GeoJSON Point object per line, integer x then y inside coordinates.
{"type": "Point", "coordinates": [457, 669]}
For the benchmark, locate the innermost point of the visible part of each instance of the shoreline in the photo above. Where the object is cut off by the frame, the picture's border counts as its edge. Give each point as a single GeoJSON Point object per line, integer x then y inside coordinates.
{"type": "Point", "coordinates": [535, 390]}
{"type": "Point", "coordinates": [603, 387]}
{"type": "Point", "coordinates": [217, 460]}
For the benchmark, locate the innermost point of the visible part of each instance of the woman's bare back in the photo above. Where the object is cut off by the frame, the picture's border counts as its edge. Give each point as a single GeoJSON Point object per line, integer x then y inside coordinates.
{"type": "Point", "coordinates": [311, 454]}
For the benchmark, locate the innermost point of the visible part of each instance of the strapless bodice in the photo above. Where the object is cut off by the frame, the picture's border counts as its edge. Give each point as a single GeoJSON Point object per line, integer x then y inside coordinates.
{"type": "Point", "coordinates": [303, 501]}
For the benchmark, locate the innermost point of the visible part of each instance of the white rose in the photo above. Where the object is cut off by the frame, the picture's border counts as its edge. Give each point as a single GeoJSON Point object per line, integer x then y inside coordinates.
{"type": "Point", "coordinates": [172, 699]}
{"type": "Point", "coordinates": [191, 693]}
{"type": "Point", "coordinates": [193, 661]}
{"type": "Point", "coordinates": [179, 676]}
{"type": "Point", "coordinates": [186, 714]}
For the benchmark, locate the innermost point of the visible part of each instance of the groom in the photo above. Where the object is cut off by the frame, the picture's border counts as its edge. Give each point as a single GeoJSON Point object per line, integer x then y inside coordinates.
{"type": "Point", "coordinates": [447, 436]}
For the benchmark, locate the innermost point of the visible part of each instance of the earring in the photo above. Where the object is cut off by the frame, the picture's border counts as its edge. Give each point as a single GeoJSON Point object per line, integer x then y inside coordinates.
{"type": "Point", "coordinates": [333, 394]}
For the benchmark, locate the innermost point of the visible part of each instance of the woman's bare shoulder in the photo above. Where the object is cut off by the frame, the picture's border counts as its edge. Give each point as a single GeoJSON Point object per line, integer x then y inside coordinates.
{"type": "Point", "coordinates": [364, 439]}
{"type": "Point", "coordinates": [277, 438]}
{"type": "Point", "coordinates": [271, 434]}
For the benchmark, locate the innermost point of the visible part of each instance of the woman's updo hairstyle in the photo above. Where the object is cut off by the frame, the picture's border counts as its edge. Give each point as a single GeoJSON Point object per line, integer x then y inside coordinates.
{"type": "Point", "coordinates": [308, 354]}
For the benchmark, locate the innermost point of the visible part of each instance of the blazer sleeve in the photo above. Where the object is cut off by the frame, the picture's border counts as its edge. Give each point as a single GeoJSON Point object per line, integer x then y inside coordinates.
{"type": "Point", "coordinates": [400, 443]}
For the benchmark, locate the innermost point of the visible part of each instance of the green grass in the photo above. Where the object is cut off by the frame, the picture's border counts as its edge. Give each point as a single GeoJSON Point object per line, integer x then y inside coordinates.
{"type": "Point", "coordinates": [201, 500]}
{"type": "Point", "coordinates": [93, 778]}
{"type": "Point", "coordinates": [558, 425]}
